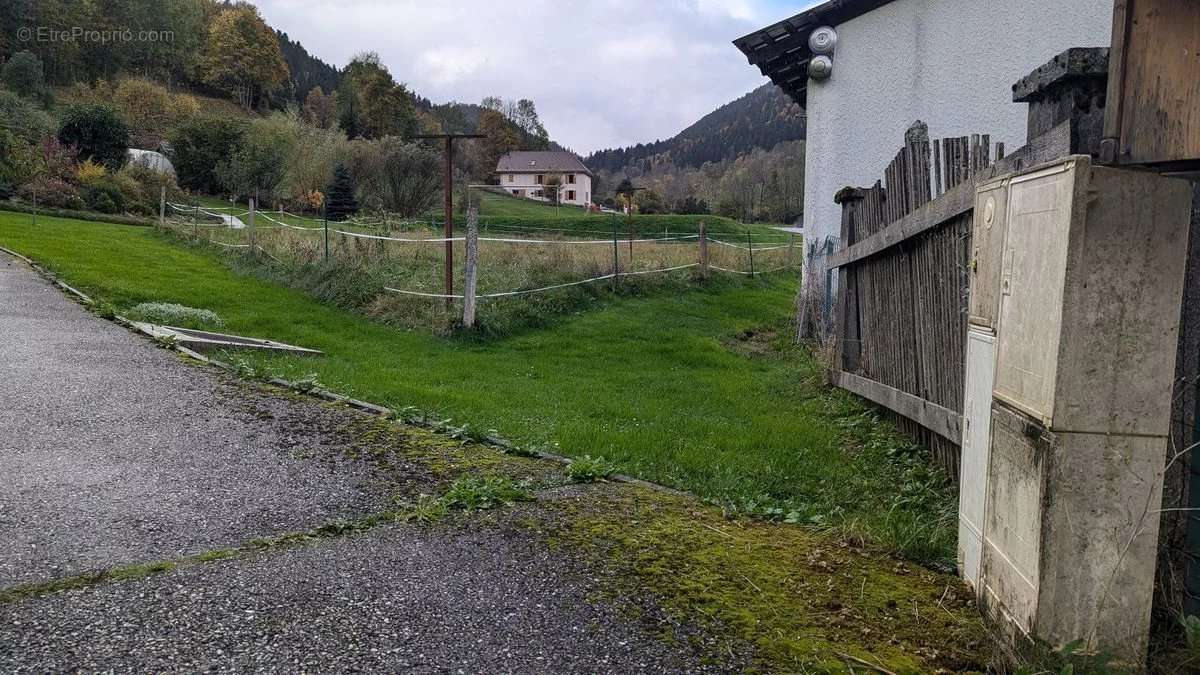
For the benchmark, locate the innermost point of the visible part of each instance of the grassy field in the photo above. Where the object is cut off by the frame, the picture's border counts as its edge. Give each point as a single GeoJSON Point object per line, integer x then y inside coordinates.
{"type": "Point", "coordinates": [501, 211]}
{"type": "Point", "coordinates": [700, 390]}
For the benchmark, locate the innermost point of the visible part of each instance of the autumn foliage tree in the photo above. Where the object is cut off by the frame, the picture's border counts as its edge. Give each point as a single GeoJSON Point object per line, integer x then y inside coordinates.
{"type": "Point", "coordinates": [501, 138]}
{"type": "Point", "coordinates": [320, 109]}
{"type": "Point", "coordinates": [370, 102]}
{"type": "Point", "coordinates": [242, 56]}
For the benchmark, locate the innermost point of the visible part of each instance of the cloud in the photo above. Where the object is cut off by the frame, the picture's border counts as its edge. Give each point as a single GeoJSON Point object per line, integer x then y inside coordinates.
{"type": "Point", "coordinates": [604, 73]}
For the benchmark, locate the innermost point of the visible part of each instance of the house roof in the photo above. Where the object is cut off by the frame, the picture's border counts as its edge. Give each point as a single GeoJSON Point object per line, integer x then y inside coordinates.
{"type": "Point", "coordinates": [781, 50]}
{"type": "Point", "coordinates": [546, 161]}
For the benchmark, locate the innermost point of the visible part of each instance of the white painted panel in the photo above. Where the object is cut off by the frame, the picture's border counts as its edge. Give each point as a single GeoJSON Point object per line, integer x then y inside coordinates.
{"type": "Point", "coordinates": [1031, 285]}
{"type": "Point", "coordinates": [976, 443]}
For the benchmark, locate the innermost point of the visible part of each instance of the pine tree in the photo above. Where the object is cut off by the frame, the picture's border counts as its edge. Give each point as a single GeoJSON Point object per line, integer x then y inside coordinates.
{"type": "Point", "coordinates": [339, 196]}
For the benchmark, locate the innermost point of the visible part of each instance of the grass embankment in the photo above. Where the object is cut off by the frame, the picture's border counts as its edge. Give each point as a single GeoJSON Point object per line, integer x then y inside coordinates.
{"type": "Point", "coordinates": [697, 390]}
{"type": "Point", "coordinates": [360, 272]}
{"type": "Point", "coordinates": [503, 211]}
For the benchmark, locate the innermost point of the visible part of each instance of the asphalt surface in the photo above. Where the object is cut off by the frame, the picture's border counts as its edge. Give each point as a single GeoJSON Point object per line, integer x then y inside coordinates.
{"type": "Point", "coordinates": [115, 451]}
{"type": "Point", "coordinates": [397, 599]}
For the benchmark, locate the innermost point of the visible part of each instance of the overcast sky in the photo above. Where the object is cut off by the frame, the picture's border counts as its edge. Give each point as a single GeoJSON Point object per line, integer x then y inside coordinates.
{"type": "Point", "coordinates": [604, 73]}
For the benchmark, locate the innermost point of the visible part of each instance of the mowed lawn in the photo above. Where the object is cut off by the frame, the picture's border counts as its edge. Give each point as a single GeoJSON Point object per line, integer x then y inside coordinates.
{"type": "Point", "coordinates": [662, 386]}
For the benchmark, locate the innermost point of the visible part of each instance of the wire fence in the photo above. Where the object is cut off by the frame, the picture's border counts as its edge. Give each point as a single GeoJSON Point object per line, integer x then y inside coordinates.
{"type": "Point", "coordinates": [410, 258]}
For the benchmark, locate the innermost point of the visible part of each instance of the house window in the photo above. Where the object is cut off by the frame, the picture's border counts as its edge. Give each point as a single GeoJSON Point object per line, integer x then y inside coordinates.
{"type": "Point", "coordinates": [570, 195]}
{"type": "Point", "coordinates": [571, 178]}
{"type": "Point", "coordinates": [509, 178]}
{"type": "Point", "coordinates": [540, 179]}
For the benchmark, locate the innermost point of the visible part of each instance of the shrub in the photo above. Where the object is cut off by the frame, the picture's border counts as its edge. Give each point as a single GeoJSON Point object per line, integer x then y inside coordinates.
{"type": "Point", "coordinates": [151, 110]}
{"type": "Point", "coordinates": [90, 173]}
{"type": "Point", "coordinates": [98, 132]}
{"type": "Point", "coordinates": [24, 119]}
{"type": "Point", "coordinates": [171, 314]}
{"type": "Point", "coordinates": [6, 190]}
{"type": "Point", "coordinates": [401, 177]}
{"type": "Point", "coordinates": [199, 146]}
{"type": "Point", "coordinates": [56, 160]}
{"type": "Point", "coordinates": [23, 75]}
{"type": "Point", "coordinates": [258, 165]}
{"type": "Point", "coordinates": [104, 196]}
{"type": "Point", "coordinates": [51, 192]}
{"type": "Point", "coordinates": [148, 184]}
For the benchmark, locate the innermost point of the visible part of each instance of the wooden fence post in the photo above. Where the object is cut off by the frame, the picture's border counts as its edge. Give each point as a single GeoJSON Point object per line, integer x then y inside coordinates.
{"type": "Point", "coordinates": [162, 207]}
{"type": "Point", "coordinates": [791, 249]}
{"type": "Point", "coordinates": [703, 250]}
{"type": "Point", "coordinates": [195, 222]}
{"type": "Point", "coordinates": [471, 274]}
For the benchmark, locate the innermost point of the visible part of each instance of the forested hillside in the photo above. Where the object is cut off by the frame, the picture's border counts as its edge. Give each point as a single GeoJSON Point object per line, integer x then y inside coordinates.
{"type": "Point", "coordinates": [305, 70]}
{"type": "Point", "coordinates": [744, 160]}
{"type": "Point", "coordinates": [760, 119]}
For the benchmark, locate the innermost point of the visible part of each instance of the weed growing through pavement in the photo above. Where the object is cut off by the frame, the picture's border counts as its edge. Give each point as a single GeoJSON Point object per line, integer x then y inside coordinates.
{"type": "Point", "coordinates": [588, 469]}
{"type": "Point", "coordinates": [104, 310]}
{"type": "Point", "coordinates": [476, 494]}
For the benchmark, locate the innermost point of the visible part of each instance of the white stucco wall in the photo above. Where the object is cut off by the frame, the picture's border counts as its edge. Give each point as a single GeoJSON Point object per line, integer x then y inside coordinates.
{"type": "Point", "coordinates": [528, 183]}
{"type": "Point", "coordinates": [948, 63]}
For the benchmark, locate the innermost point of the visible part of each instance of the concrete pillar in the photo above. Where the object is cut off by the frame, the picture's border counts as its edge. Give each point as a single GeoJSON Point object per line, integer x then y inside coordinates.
{"type": "Point", "coordinates": [1070, 87]}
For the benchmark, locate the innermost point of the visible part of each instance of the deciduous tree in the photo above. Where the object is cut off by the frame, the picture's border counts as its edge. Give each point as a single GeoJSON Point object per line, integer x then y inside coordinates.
{"type": "Point", "coordinates": [320, 109]}
{"type": "Point", "coordinates": [370, 102]}
{"type": "Point", "coordinates": [23, 75]}
{"type": "Point", "coordinates": [242, 56]}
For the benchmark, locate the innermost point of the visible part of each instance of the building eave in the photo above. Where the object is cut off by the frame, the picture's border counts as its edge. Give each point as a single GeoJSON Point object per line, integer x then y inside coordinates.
{"type": "Point", "coordinates": [781, 50]}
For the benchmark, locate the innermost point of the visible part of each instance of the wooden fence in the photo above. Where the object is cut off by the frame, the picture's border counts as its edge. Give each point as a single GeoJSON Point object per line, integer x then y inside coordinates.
{"type": "Point", "coordinates": [900, 316]}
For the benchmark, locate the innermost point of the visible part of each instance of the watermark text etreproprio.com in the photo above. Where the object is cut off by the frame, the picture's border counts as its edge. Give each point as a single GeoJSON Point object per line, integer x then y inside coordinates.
{"type": "Point", "coordinates": [79, 34]}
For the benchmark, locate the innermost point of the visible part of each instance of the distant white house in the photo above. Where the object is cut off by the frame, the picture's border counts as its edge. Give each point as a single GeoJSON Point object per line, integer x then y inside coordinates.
{"type": "Point", "coordinates": [526, 174]}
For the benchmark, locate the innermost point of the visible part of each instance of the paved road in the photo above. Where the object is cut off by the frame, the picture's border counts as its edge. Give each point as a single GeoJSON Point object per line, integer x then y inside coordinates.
{"type": "Point", "coordinates": [115, 451]}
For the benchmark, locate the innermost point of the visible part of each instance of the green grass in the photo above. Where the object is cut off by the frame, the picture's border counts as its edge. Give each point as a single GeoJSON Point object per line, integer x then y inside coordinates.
{"type": "Point", "coordinates": [699, 390]}
{"type": "Point", "coordinates": [503, 211]}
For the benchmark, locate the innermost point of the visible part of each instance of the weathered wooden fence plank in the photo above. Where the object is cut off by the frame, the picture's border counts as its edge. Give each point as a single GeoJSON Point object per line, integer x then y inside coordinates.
{"type": "Point", "coordinates": [944, 422]}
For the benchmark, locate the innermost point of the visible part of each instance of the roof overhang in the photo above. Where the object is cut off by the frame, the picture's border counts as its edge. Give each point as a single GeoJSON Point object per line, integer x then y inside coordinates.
{"type": "Point", "coordinates": [781, 50]}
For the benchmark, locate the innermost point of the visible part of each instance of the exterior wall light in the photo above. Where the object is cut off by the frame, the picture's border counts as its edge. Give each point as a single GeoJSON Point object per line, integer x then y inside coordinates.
{"type": "Point", "coordinates": [822, 43]}
{"type": "Point", "coordinates": [820, 67]}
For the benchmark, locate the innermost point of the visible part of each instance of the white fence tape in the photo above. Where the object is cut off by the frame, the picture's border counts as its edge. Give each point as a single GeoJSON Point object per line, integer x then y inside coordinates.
{"type": "Point", "coordinates": [508, 294]}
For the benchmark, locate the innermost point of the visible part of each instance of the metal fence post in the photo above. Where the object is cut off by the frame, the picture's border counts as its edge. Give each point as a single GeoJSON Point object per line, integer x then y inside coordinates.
{"type": "Point", "coordinates": [616, 254]}
{"type": "Point", "coordinates": [750, 247]}
{"type": "Point", "coordinates": [250, 225]}
{"type": "Point", "coordinates": [471, 274]}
